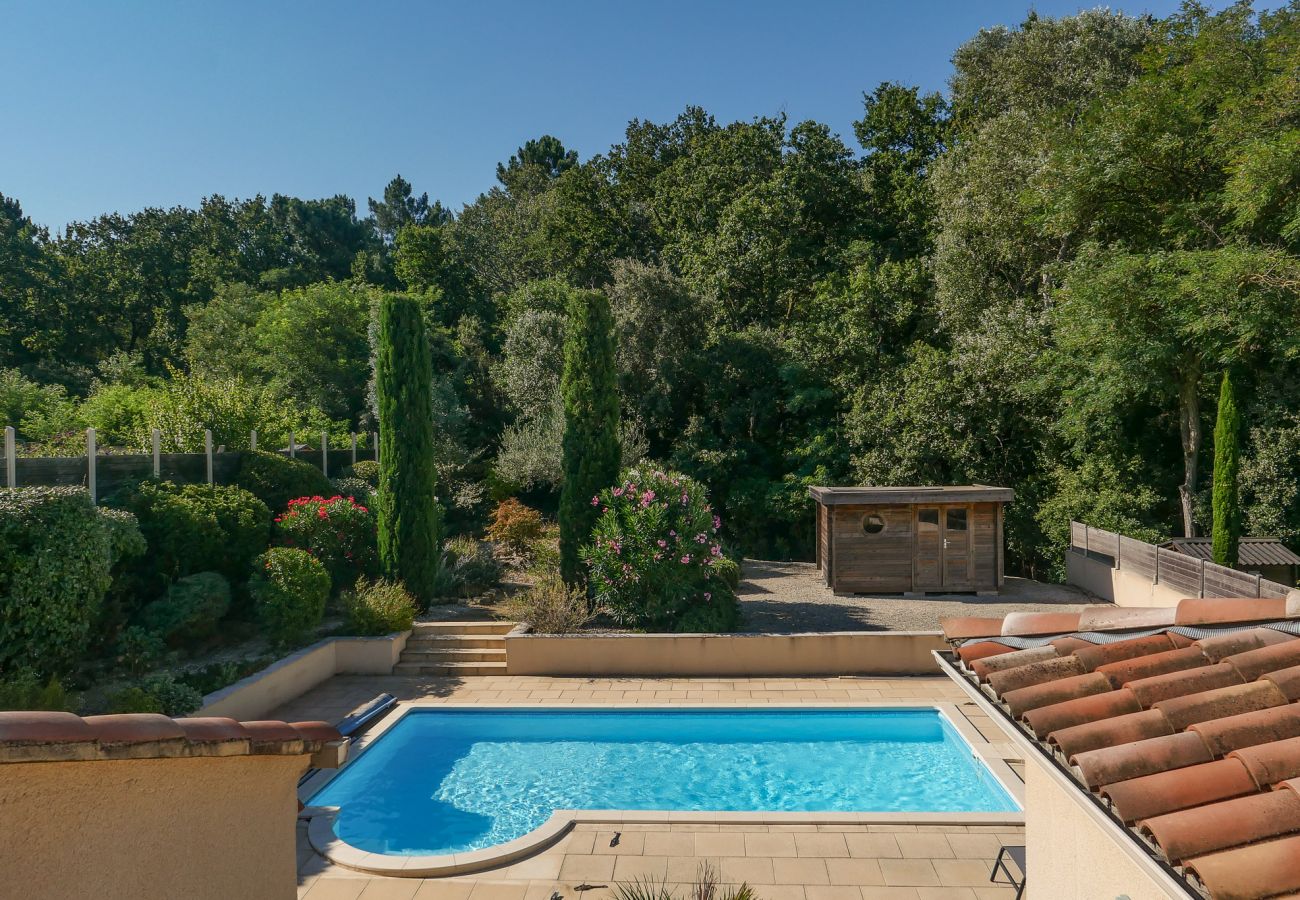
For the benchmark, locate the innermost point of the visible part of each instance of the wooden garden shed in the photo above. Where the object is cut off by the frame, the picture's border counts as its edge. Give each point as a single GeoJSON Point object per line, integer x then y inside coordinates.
{"type": "Point", "coordinates": [911, 540]}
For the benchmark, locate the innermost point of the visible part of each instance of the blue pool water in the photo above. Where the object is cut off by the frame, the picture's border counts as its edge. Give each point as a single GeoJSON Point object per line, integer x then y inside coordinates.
{"type": "Point", "coordinates": [444, 781]}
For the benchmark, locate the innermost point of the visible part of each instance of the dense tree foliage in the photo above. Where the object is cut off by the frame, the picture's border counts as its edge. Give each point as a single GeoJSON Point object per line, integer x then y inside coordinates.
{"type": "Point", "coordinates": [1036, 278]}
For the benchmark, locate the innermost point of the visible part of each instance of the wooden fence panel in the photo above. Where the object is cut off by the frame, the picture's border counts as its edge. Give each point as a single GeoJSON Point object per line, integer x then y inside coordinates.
{"type": "Point", "coordinates": [1221, 581]}
{"type": "Point", "coordinates": [1103, 543]}
{"type": "Point", "coordinates": [1273, 589]}
{"type": "Point", "coordinates": [1179, 571]}
{"type": "Point", "coordinates": [1078, 536]}
{"type": "Point", "coordinates": [51, 470]}
{"type": "Point", "coordinates": [1138, 557]}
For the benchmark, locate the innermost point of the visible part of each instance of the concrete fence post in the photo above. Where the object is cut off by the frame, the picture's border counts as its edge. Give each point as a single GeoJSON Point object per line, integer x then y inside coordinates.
{"type": "Point", "coordinates": [90, 465]}
{"type": "Point", "coordinates": [293, 447]}
{"type": "Point", "coordinates": [1259, 585]}
{"type": "Point", "coordinates": [11, 457]}
{"type": "Point", "coordinates": [1087, 540]}
{"type": "Point", "coordinates": [1155, 576]}
{"type": "Point", "coordinates": [1119, 551]}
{"type": "Point", "coordinates": [354, 448]}
{"type": "Point", "coordinates": [207, 451]}
{"type": "Point", "coordinates": [252, 439]}
{"type": "Point", "coordinates": [325, 454]}
{"type": "Point", "coordinates": [155, 444]}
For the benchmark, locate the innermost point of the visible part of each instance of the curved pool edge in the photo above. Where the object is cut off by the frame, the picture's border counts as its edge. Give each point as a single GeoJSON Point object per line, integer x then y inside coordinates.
{"type": "Point", "coordinates": [325, 841]}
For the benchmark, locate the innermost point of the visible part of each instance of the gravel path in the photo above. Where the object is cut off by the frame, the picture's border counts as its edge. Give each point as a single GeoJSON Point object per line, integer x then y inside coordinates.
{"type": "Point", "coordinates": [783, 597]}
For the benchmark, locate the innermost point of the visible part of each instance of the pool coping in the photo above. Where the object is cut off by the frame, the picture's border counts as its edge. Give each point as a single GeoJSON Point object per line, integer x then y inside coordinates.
{"type": "Point", "coordinates": [325, 840]}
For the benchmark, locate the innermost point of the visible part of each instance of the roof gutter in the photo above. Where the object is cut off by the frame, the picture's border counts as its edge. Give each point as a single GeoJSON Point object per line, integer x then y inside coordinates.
{"type": "Point", "coordinates": [1139, 853]}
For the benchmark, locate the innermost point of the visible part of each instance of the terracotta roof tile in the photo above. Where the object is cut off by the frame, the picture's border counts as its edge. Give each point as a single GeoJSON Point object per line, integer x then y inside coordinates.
{"type": "Point", "coordinates": [1030, 623]}
{"type": "Point", "coordinates": [1109, 732]}
{"type": "Point", "coordinates": [1155, 664]}
{"type": "Point", "coordinates": [1047, 719]}
{"type": "Point", "coordinates": [1222, 736]}
{"type": "Point", "coordinates": [1119, 618]}
{"type": "Point", "coordinates": [51, 737]}
{"type": "Point", "coordinates": [1265, 869]}
{"type": "Point", "coordinates": [1124, 761]}
{"type": "Point", "coordinates": [1095, 655]}
{"type": "Point", "coordinates": [1218, 826]}
{"type": "Point", "coordinates": [1026, 699]}
{"type": "Point", "coordinates": [1228, 610]}
{"type": "Point", "coordinates": [1150, 691]}
{"type": "Point", "coordinates": [1196, 738]}
{"type": "Point", "coordinates": [1166, 792]}
{"type": "Point", "coordinates": [1034, 673]}
{"type": "Point", "coordinates": [981, 650]}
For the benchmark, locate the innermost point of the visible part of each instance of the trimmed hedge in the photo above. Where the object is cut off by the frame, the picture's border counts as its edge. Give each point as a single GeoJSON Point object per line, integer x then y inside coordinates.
{"type": "Point", "coordinates": [289, 589]}
{"type": "Point", "coordinates": [56, 555]}
{"type": "Point", "coordinates": [276, 479]}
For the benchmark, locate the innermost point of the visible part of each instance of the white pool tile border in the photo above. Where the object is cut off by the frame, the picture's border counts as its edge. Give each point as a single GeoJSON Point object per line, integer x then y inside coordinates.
{"type": "Point", "coordinates": [324, 840]}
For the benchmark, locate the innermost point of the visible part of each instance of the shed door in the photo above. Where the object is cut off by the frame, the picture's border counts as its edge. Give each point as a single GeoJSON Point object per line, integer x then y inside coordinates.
{"type": "Point", "coordinates": [956, 547]}
{"type": "Point", "coordinates": [927, 572]}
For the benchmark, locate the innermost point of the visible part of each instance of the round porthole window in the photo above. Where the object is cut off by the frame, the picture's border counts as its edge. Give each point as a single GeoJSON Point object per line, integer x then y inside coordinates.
{"type": "Point", "coordinates": [872, 524]}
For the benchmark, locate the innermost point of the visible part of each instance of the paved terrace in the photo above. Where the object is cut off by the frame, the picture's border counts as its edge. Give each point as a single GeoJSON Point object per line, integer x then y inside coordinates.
{"type": "Point", "coordinates": [782, 862]}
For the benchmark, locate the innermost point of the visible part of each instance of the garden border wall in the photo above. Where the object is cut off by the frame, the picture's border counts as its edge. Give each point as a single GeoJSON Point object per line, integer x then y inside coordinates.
{"type": "Point", "coordinates": [723, 655]}
{"type": "Point", "coordinates": [287, 679]}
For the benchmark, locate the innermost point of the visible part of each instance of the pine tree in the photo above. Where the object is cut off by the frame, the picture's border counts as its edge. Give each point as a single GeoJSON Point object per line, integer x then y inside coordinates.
{"type": "Point", "coordinates": [408, 515]}
{"type": "Point", "coordinates": [1227, 451]}
{"type": "Point", "coordinates": [591, 448]}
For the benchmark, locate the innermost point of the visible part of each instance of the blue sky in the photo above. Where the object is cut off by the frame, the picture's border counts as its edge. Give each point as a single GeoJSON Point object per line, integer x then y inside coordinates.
{"type": "Point", "coordinates": [123, 105]}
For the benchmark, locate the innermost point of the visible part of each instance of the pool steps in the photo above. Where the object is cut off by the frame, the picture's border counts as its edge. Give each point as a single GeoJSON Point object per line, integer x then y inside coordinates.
{"type": "Point", "coordinates": [455, 648]}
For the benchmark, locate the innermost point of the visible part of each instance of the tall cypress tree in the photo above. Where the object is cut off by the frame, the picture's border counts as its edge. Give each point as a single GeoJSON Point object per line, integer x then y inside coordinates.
{"type": "Point", "coordinates": [591, 449]}
{"type": "Point", "coordinates": [1227, 451]}
{"type": "Point", "coordinates": [408, 515]}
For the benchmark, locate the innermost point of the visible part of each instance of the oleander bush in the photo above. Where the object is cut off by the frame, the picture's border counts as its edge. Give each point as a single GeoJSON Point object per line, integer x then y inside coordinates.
{"type": "Point", "coordinates": [378, 607]}
{"type": "Point", "coordinates": [654, 556]}
{"type": "Point", "coordinates": [276, 479]}
{"type": "Point", "coordinates": [515, 527]}
{"type": "Point", "coordinates": [187, 615]}
{"type": "Point", "coordinates": [289, 589]}
{"type": "Point", "coordinates": [56, 558]}
{"type": "Point", "coordinates": [338, 531]}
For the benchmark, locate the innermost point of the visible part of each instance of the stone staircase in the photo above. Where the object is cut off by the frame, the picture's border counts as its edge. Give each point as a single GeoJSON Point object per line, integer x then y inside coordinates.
{"type": "Point", "coordinates": [455, 648]}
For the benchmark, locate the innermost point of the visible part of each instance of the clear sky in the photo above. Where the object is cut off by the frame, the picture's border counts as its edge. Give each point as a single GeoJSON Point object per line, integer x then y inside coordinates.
{"type": "Point", "coordinates": [116, 106]}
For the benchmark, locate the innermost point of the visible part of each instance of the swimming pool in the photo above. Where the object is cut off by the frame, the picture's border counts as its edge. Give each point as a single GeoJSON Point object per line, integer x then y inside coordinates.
{"type": "Point", "coordinates": [451, 781]}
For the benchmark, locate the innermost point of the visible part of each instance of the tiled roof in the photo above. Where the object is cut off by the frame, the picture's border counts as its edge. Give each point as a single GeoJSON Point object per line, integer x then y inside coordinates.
{"type": "Point", "coordinates": [1184, 721]}
{"type": "Point", "coordinates": [63, 737]}
{"type": "Point", "coordinates": [1260, 551]}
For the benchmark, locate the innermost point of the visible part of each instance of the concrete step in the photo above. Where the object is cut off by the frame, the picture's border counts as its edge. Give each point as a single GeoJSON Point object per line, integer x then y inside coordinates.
{"type": "Point", "coordinates": [429, 629]}
{"type": "Point", "coordinates": [472, 654]}
{"type": "Point", "coordinates": [457, 641]}
{"type": "Point", "coordinates": [450, 668]}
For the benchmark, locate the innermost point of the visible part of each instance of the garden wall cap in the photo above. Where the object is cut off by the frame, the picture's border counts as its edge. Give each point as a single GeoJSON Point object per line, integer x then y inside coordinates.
{"type": "Point", "coordinates": [64, 737]}
{"type": "Point", "coordinates": [1185, 720]}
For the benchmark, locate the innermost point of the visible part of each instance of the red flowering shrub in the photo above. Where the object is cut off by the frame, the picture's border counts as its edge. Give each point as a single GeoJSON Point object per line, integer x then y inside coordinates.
{"type": "Point", "coordinates": [337, 530]}
{"type": "Point", "coordinates": [655, 557]}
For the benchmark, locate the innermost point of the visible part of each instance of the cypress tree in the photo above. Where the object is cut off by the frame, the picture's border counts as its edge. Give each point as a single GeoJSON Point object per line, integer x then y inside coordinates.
{"type": "Point", "coordinates": [409, 519]}
{"type": "Point", "coordinates": [590, 449]}
{"type": "Point", "coordinates": [1227, 450]}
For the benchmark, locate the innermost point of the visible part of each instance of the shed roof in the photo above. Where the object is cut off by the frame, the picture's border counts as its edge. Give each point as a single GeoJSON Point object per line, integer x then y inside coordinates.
{"type": "Point", "coordinates": [1252, 551]}
{"type": "Point", "coordinates": [1184, 721]}
{"type": "Point", "coordinates": [962, 493]}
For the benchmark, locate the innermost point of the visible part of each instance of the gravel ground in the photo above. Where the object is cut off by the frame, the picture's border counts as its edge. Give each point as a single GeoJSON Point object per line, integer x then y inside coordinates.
{"type": "Point", "coordinates": [783, 597]}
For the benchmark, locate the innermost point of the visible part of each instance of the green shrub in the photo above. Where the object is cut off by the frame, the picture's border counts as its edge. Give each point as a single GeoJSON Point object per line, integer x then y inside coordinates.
{"type": "Point", "coordinates": [215, 676]}
{"type": "Point", "coordinates": [189, 612]}
{"type": "Point", "coordinates": [289, 588]}
{"type": "Point", "coordinates": [56, 555]}
{"type": "Point", "coordinates": [467, 569]}
{"type": "Point", "coordinates": [128, 544]}
{"type": "Point", "coordinates": [358, 490]}
{"type": "Point", "coordinates": [160, 693]}
{"type": "Point", "coordinates": [653, 552]}
{"type": "Point", "coordinates": [276, 479]}
{"type": "Point", "coordinates": [366, 470]}
{"type": "Point", "coordinates": [550, 606]}
{"type": "Point", "coordinates": [338, 531]}
{"type": "Point", "coordinates": [245, 523]}
{"type": "Point", "coordinates": [515, 527]}
{"type": "Point", "coordinates": [139, 650]}
{"type": "Point", "coordinates": [26, 690]}
{"type": "Point", "coordinates": [378, 607]}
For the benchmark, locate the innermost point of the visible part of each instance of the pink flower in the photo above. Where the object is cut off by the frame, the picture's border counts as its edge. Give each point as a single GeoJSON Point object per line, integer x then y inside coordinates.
{"type": "Point", "coordinates": [701, 538]}
{"type": "Point", "coordinates": [707, 597]}
{"type": "Point", "coordinates": [685, 498]}
{"type": "Point", "coordinates": [715, 550]}
{"type": "Point", "coordinates": [618, 492]}
{"type": "Point", "coordinates": [661, 542]}
{"type": "Point", "coordinates": [595, 501]}
{"type": "Point", "coordinates": [717, 523]}
{"type": "Point", "coordinates": [686, 560]}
